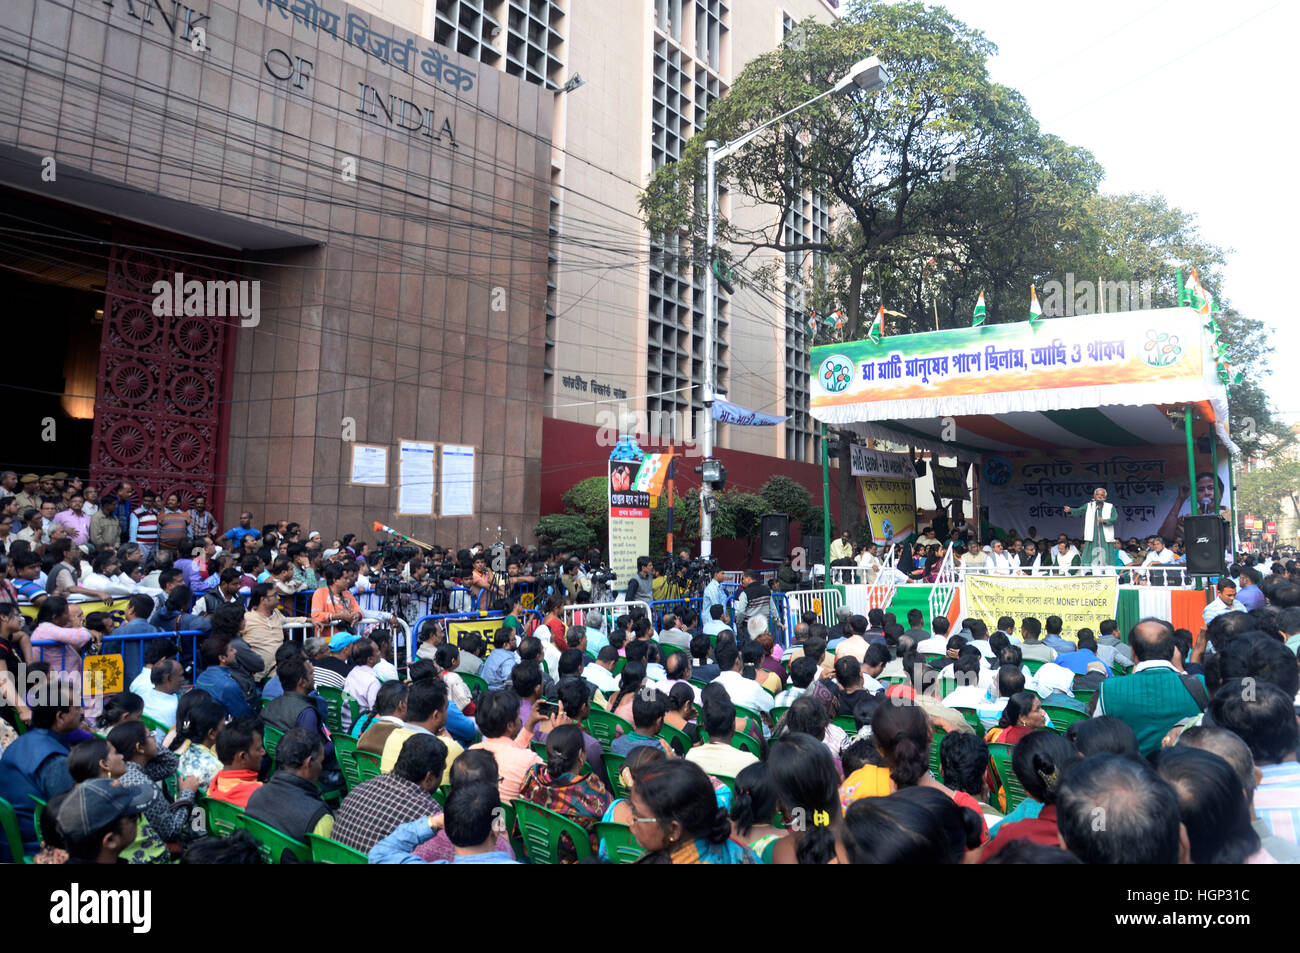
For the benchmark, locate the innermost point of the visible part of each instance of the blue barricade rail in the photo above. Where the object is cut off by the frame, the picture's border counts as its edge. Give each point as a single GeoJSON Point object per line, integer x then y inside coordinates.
{"type": "Point", "coordinates": [129, 646]}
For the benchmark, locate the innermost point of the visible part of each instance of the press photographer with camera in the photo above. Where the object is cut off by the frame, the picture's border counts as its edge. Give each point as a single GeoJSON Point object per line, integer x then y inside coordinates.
{"type": "Point", "coordinates": [577, 587]}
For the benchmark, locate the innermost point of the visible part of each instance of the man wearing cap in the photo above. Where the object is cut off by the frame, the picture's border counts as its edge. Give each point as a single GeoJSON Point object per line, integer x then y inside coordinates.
{"type": "Point", "coordinates": [98, 820]}
{"type": "Point", "coordinates": [104, 527]}
{"type": "Point", "coordinates": [332, 670]}
{"type": "Point", "coordinates": [29, 498]}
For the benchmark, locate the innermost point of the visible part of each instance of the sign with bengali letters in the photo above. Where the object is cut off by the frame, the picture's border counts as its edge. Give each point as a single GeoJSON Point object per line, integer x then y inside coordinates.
{"type": "Point", "coordinates": [1080, 601]}
{"type": "Point", "coordinates": [1148, 486]}
{"type": "Point", "coordinates": [890, 506]}
{"type": "Point", "coordinates": [1133, 348]}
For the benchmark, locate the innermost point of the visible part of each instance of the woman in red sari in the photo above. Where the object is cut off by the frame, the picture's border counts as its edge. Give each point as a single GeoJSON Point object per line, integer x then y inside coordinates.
{"type": "Point", "coordinates": [1023, 714]}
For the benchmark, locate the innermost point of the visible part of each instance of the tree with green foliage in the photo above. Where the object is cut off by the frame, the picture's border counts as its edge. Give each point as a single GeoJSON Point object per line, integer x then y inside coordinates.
{"type": "Point", "coordinates": [742, 515]}
{"type": "Point", "coordinates": [589, 499]}
{"type": "Point", "coordinates": [566, 531]}
{"type": "Point", "coordinates": [1269, 492]}
{"type": "Point", "coordinates": [784, 495]}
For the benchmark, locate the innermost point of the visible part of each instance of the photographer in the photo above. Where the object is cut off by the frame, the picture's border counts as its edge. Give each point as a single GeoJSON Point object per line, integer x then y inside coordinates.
{"type": "Point", "coordinates": [640, 588]}
{"type": "Point", "coordinates": [482, 580]}
{"type": "Point", "coordinates": [577, 587]}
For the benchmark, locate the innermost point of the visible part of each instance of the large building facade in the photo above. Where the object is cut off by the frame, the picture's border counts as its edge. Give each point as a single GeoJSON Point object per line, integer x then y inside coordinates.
{"type": "Point", "coordinates": [380, 202]}
{"type": "Point", "coordinates": [437, 200]}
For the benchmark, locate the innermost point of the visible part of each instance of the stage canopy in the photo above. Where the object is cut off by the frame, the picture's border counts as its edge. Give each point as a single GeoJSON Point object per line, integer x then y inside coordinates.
{"type": "Point", "coordinates": [1090, 381]}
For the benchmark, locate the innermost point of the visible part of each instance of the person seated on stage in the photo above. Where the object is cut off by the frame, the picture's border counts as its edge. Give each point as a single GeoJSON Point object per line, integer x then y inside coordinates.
{"type": "Point", "coordinates": [1157, 555]}
{"type": "Point", "coordinates": [1065, 557]}
{"type": "Point", "coordinates": [1029, 558]}
{"type": "Point", "coordinates": [1031, 646]}
{"type": "Point", "coordinates": [997, 560]}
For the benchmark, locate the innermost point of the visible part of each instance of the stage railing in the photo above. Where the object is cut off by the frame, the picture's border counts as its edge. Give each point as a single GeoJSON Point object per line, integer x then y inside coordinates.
{"type": "Point", "coordinates": [881, 593]}
{"type": "Point", "coordinates": [946, 585]}
{"type": "Point", "coordinates": [1167, 577]}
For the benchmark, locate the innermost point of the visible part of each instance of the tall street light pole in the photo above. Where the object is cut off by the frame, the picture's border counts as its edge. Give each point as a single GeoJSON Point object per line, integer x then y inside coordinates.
{"type": "Point", "coordinates": [867, 75]}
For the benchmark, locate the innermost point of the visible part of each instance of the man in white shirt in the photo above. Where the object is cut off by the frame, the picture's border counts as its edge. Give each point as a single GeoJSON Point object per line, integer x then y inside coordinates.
{"type": "Point", "coordinates": [937, 644]}
{"type": "Point", "coordinates": [714, 623]}
{"type": "Point", "coordinates": [1158, 555]}
{"type": "Point", "coordinates": [998, 561]}
{"type": "Point", "coordinates": [161, 698]}
{"type": "Point", "coordinates": [674, 633]}
{"type": "Point", "coordinates": [970, 692]}
{"type": "Point", "coordinates": [1225, 601]}
{"type": "Point", "coordinates": [600, 673]}
{"type": "Point", "coordinates": [717, 756]}
{"type": "Point", "coordinates": [742, 691]}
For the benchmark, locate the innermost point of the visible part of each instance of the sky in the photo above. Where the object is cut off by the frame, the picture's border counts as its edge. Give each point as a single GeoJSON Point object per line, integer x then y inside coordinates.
{"type": "Point", "coordinates": [1188, 98]}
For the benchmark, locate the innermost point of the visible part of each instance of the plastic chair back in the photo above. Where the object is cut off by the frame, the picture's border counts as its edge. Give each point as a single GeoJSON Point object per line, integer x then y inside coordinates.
{"type": "Point", "coordinates": [935, 769]}
{"type": "Point", "coordinates": [326, 851]}
{"type": "Point", "coordinates": [334, 702]}
{"type": "Point", "coordinates": [604, 726]}
{"type": "Point", "coordinates": [275, 844]}
{"type": "Point", "coordinates": [542, 829]}
{"type": "Point", "coordinates": [367, 764]}
{"type": "Point", "coordinates": [13, 835]}
{"type": "Point", "coordinates": [613, 765]}
{"type": "Point", "coordinates": [1063, 718]}
{"type": "Point", "coordinates": [745, 743]}
{"type": "Point", "coordinates": [620, 845]}
{"type": "Point", "coordinates": [677, 738]}
{"type": "Point", "coordinates": [1001, 755]}
{"type": "Point", "coordinates": [223, 817]}
{"type": "Point", "coordinates": [474, 683]}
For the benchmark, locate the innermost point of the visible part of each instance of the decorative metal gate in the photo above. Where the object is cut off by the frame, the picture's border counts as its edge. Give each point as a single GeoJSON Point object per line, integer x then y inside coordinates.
{"type": "Point", "coordinates": [157, 410]}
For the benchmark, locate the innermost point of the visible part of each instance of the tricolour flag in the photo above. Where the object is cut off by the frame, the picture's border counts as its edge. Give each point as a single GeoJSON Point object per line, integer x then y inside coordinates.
{"type": "Point", "coordinates": [1202, 300]}
{"type": "Point", "coordinates": [981, 312]}
{"type": "Point", "coordinates": [1035, 311]}
{"type": "Point", "coordinates": [877, 331]}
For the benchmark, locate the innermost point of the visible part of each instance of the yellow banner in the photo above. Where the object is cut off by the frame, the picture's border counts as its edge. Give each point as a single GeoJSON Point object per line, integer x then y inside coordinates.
{"type": "Point", "coordinates": [102, 675]}
{"type": "Point", "coordinates": [486, 628]}
{"type": "Point", "coordinates": [1080, 601]}
{"type": "Point", "coordinates": [890, 506]}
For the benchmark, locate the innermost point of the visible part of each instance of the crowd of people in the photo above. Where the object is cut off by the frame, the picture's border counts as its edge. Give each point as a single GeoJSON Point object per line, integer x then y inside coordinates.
{"type": "Point", "coordinates": [689, 737]}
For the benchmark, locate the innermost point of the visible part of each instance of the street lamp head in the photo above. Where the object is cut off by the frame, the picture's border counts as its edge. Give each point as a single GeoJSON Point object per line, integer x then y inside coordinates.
{"type": "Point", "coordinates": [868, 75]}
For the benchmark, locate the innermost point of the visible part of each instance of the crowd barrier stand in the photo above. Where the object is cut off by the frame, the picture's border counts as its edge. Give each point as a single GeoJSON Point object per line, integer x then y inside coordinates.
{"type": "Point", "coordinates": [661, 607]}
{"type": "Point", "coordinates": [620, 608]}
{"type": "Point", "coordinates": [824, 602]}
{"type": "Point", "coordinates": [129, 646]}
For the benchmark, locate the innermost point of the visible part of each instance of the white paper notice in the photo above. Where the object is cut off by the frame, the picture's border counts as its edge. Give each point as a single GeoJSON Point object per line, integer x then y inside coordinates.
{"type": "Point", "coordinates": [369, 465]}
{"type": "Point", "coordinates": [457, 480]}
{"type": "Point", "coordinates": [415, 487]}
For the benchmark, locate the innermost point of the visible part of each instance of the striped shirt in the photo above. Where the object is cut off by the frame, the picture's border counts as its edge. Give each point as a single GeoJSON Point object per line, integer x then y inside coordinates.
{"type": "Point", "coordinates": [146, 526]}
{"type": "Point", "coordinates": [1277, 800]}
{"type": "Point", "coordinates": [172, 527]}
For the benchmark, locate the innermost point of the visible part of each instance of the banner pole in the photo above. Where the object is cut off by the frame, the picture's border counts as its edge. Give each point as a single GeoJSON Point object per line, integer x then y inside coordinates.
{"type": "Point", "coordinates": [826, 511]}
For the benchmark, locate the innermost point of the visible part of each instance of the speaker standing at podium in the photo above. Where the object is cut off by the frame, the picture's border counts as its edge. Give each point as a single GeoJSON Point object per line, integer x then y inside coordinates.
{"type": "Point", "coordinates": [1098, 530]}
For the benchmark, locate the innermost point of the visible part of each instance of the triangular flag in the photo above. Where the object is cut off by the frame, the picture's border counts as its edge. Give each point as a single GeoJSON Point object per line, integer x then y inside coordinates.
{"type": "Point", "coordinates": [877, 330]}
{"type": "Point", "coordinates": [1202, 300]}
{"type": "Point", "coordinates": [1213, 327]}
{"type": "Point", "coordinates": [1035, 312]}
{"type": "Point", "coordinates": [981, 312]}
{"type": "Point", "coordinates": [839, 320]}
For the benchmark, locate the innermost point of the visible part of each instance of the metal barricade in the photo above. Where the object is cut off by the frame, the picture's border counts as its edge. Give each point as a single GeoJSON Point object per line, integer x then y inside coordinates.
{"type": "Point", "coordinates": [661, 607]}
{"type": "Point", "coordinates": [130, 646]}
{"type": "Point", "coordinates": [824, 602]}
{"type": "Point", "coordinates": [400, 639]}
{"type": "Point", "coordinates": [605, 610]}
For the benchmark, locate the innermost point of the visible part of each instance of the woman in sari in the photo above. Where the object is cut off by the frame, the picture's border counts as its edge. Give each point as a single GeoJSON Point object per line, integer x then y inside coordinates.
{"type": "Point", "coordinates": [567, 786]}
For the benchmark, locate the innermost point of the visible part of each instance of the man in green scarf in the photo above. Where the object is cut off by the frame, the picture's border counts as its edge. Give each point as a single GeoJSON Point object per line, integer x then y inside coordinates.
{"type": "Point", "coordinates": [1098, 530]}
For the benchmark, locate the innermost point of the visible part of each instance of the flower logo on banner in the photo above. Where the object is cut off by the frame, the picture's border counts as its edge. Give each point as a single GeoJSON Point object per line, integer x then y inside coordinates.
{"type": "Point", "coordinates": [887, 529]}
{"type": "Point", "coordinates": [835, 373]}
{"type": "Point", "coordinates": [1161, 349]}
{"type": "Point", "coordinates": [997, 471]}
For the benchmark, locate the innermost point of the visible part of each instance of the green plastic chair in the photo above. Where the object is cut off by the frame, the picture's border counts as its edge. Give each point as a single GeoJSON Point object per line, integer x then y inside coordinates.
{"type": "Point", "coordinates": [274, 844]}
{"type": "Point", "coordinates": [613, 765]}
{"type": "Point", "coordinates": [671, 734]}
{"type": "Point", "coordinates": [743, 712]}
{"type": "Point", "coordinates": [153, 724]}
{"type": "Point", "coordinates": [766, 855]}
{"type": "Point", "coordinates": [746, 743]}
{"type": "Point", "coordinates": [345, 747]}
{"type": "Point", "coordinates": [37, 810]}
{"type": "Point", "coordinates": [1034, 664]}
{"type": "Point", "coordinates": [846, 723]}
{"type": "Point", "coordinates": [334, 702]}
{"type": "Point", "coordinates": [1001, 757]}
{"type": "Point", "coordinates": [618, 665]}
{"type": "Point", "coordinates": [474, 683]}
{"type": "Point", "coordinates": [667, 651]}
{"type": "Point", "coordinates": [367, 764]}
{"type": "Point", "coordinates": [440, 794]}
{"type": "Point", "coordinates": [354, 710]}
{"type": "Point", "coordinates": [778, 713]}
{"type": "Point", "coordinates": [620, 845]}
{"type": "Point", "coordinates": [973, 720]}
{"type": "Point", "coordinates": [17, 722]}
{"type": "Point", "coordinates": [697, 682]}
{"type": "Point", "coordinates": [604, 726]}
{"type": "Point", "coordinates": [223, 817]}
{"type": "Point", "coordinates": [539, 748]}
{"type": "Point", "coordinates": [271, 740]}
{"type": "Point", "coordinates": [1063, 718]}
{"type": "Point", "coordinates": [1083, 696]}
{"type": "Point", "coordinates": [13, 835]}
{"type": "Point", "coordinates": [729, 782]}
{"type": "Point", "coordinates": [326, 851]}
{"type": "Point", "coordinates": [542, 830]}
{"type": "Point", "coordinates": [935, 769]}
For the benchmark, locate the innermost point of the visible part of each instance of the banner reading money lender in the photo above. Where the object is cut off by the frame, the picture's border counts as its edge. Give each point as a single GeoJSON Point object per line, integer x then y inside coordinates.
{"type": "Point", "coordinates": [1080, 601]}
